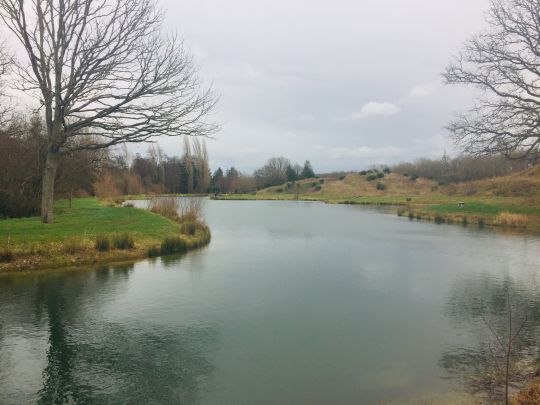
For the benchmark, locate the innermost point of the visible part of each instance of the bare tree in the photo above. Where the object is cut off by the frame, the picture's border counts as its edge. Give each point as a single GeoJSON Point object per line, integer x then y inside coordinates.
{"type": "Point", "coordinates": [102, 69]}
{"type": "Point", "coordinates": [504, 63]}
{"type": "Point", "coordinates": [5, 63]}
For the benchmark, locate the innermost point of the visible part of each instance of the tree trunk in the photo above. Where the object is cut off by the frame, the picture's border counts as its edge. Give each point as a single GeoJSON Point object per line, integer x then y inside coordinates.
{"type": "Point", "coordinates": [47, 190]}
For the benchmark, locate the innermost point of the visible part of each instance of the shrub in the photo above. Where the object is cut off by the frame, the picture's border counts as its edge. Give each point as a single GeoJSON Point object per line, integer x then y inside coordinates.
{"type": "Point", "coordinates": [189, 228]}
{"type": "Point", "coordinates": [411, 215]}
{"type": "Point", "coordinates": [380, 175]}
{"type": "Point", "coordinates": [371, 177]}
{"type": "Point", "coordinates": [363, 173]}
{"type": "Point", "coordinates": [464, 221]}
{"type": "Point", "coordinates": [387, 170]}
{"type": "Point", "coordinates": [123, 241]}
{"type": "Point", "coordinates": [481, 222]}
{"type": "Point", "coordinates": [6, 256]}
{"type": "Point", "coordinates": [438, 219]}
{"type": "Point", "coordinates": [514, 220]}
{"type": "Point", "coordinates": [317, 187]}
{"type": "Point", "coordinates": [153, 251]}
{"type": "Point", "coordinates": [413, 177]}
{"type": "Point", "coordinates": [401, 212]}
{"type": "Point", "coordinates": [381, 186]}
{"type": "Point", "coordinates": [342, 177]}
{"type": "Point", "coordinates": [103, 243]}
{"type": "Point", "coordinates": [129, 205]}
{"type": "Point", "coordinates": [173, 245]}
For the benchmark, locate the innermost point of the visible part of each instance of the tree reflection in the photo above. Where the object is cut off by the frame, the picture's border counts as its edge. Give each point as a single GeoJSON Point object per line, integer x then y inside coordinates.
{"type": "Point", "coordinates": [499, 322]}
{"type": "Point", "coordinates": [93, 359]}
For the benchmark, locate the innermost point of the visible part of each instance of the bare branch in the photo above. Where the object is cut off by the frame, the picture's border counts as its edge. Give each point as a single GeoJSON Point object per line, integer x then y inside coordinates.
{"type": "Point", "coordinates": [504, 63]}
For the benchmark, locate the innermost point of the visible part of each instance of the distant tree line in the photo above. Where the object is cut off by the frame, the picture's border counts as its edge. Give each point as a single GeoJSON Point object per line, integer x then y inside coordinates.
{"type": "Point", "coordinates": [463, 168]}
{"type": "Point", "coordinates": [276, 171]}
{"type": "Point", "coordinates": [100, 172]}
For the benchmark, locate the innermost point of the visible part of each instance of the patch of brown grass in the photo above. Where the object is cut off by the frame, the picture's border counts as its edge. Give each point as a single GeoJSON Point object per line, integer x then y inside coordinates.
{"type": "Point", "coordinates": [528, 396]}
{"type": "Point", "coordinates": [513, 220]}
{"type": "Point", "coordinates": [165, 206]}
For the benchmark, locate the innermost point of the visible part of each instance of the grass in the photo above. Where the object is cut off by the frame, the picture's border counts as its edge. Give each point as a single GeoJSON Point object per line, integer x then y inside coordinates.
{"type": "Point", "coordinates": [91, 231]}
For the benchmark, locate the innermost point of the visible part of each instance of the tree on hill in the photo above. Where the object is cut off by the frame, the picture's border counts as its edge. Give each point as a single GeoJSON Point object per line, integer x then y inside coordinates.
{"type": "Point", "coordinates": [292, 175]}
{"type": "Point", "coordinates": [273, 173]}
{"type": "Point", "coordinates": [103, 72]}
{"type": "Point", "coordinates": [503, 62]}
{"type": "Point", "coordinates": [307, 171]}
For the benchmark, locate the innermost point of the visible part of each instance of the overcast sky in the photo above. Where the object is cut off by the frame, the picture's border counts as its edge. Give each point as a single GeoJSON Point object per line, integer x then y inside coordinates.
{"type": "Point", "coordinates": [344, 83]}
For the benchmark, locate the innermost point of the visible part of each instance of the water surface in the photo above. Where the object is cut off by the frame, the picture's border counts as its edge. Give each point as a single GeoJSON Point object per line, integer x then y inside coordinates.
{"type": "Point", "coordinates": [292, 302]}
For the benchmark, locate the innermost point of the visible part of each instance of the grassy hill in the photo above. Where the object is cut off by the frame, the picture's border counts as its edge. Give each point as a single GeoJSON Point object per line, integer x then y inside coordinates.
{"type": "Point", "coordinates": [485, 201]}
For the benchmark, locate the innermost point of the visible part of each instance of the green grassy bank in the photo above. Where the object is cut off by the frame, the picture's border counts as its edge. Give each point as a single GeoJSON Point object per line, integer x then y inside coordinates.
{"type": "Point", "coordinates": [129, 233]}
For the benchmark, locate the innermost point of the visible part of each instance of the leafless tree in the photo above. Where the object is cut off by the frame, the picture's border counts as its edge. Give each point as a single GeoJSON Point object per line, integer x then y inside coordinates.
{"type": "Point", "coordinates": [504, 63]}
{"type": "Point", "coordinates": [5, 63]}
{"type": "Point", "coordinates": [103, 69]}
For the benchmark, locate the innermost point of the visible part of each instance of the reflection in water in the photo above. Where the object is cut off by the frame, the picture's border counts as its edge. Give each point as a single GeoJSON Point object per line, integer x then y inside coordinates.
{"type": "Point", "coordinates": [90, 359]}
{"type": "Point", "coordinates": [502, 318]}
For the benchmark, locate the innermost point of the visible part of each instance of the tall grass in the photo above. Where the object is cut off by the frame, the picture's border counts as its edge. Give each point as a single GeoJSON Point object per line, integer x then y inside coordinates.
{"type": "Point", "coordinates": [180, 209]}
{"type": "Point", "coordinates": [165, 206]}
{"type": "Point", "coordinates": [123, 241]}
{"type": "Point", "coordinates": [513, 220]}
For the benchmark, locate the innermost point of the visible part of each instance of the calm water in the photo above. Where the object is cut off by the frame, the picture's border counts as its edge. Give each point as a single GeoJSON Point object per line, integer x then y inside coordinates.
{"type": "Point", "coordinates": [297, 303]}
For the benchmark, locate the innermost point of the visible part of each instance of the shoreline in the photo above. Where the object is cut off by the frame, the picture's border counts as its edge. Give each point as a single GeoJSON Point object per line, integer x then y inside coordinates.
{"type": "Point", "coordinates": [419, 208]}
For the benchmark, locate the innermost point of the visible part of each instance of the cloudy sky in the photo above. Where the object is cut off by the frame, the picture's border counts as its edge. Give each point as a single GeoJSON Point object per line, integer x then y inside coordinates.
{"type": "Point", "coordinates": [344, 83]}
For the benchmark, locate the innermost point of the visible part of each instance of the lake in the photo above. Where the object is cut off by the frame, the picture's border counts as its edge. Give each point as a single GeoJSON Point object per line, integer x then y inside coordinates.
{"type": "Point", "coordinates": [291, 303]}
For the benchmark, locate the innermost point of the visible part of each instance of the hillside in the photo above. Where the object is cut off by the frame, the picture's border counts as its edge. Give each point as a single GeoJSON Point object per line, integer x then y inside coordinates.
{"type": "Point", "coordinates": [487, 201]}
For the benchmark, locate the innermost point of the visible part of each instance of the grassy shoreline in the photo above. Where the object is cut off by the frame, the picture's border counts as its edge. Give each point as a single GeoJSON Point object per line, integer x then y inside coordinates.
{"type": "Point", "coordinates": [439, 208]}
{"type": "Point", "coordinates": [132, 233]}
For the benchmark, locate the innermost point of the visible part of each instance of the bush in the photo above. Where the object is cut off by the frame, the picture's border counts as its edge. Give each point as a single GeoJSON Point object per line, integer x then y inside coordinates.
{"type": "Point", "coordinates": [381, 186]}
{"type": "Point", "coordinates": [318, 187]}
{"type": "Point", "coordinates": [363, 173]}
{"type": "Point", "coordinates": [129, 205]}
{"type": "Point", "coordinates": [380, 175]}
{"type": "Point", "coordinates": [123, 241]}
{"type": "Point", "coordinates": [153, 251]}
{"type": "Point", "coordinates": [387, 170]}
{"type": "Point", "coordinates": [371, 177]}
{"type": "Point", "coordinates": [6, 256]}
{"type": "Point", "coordinates": [438, 219]}
{"type": "Point", "coordinates": [173, 245]}
{"type": "Point", "coordinates": [411, 215]}
{"type": "Point", "coordinates": [401, 212]}
{"type": "Point", "coordinates": [413, 177]}
{"type": "Point", "coordinates": [514, 220]}
{"type": "Point", "coordinates": [103, 243]}
{"type": "Point", "coordinates": [189, 228]}
{"type": "Point", "coordinates": [464, 221]}
{"type": "Point", "coordinates": [481, 222]}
